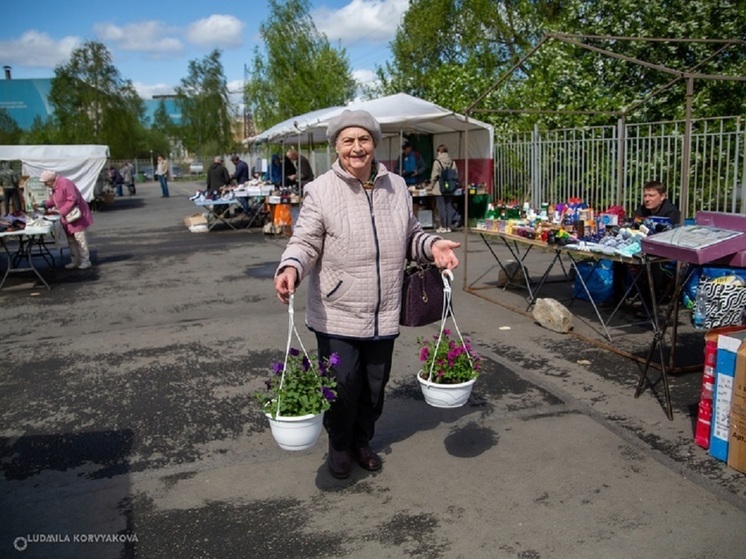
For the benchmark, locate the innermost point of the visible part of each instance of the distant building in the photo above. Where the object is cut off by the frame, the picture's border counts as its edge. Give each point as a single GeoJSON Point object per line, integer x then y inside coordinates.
{"type": "Point", "coordinates": [25, 99]}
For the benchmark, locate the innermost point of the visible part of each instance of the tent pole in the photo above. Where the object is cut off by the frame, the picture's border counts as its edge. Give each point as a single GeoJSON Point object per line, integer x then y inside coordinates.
{"type": "Point", "coordinates": [465, 194]}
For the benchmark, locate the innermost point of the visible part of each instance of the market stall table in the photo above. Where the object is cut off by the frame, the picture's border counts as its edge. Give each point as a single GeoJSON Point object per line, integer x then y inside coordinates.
{"type": "Point", "coordinates": [31, 245]}
{"type": "Point", "coordinates": [218, 211]}
{"type": "Point", "coordinates": [257, 206]}
{"type": "Point", "coordinates": [520, 248]}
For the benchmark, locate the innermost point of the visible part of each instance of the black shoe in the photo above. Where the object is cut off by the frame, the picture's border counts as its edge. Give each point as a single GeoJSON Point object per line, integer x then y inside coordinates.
{"type": "Point", "coordinates": [368, 459]}
{"type": "Point", "coordinates": [340, 462]}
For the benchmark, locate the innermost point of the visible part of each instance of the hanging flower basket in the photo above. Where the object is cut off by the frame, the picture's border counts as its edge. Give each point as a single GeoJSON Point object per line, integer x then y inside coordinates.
{"type": "Point", "coordinates": [296, 433]}
{"type": "Point", "coordinates": [450, 366]}
{"type": "Point", "coordinates": [297, 394]}
{"type": "Point", "coordinates": [445, 395]}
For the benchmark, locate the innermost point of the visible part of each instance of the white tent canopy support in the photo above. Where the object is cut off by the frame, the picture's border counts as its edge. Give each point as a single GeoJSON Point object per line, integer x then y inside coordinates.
{"type": "Point", "coordinates": [81, 164]}
{"type": "Point", "coordinates": [400, 114]}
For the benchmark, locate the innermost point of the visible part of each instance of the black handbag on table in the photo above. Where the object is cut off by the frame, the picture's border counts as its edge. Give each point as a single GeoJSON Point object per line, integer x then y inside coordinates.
{"type": "Point", "coordinates": [422, 295]}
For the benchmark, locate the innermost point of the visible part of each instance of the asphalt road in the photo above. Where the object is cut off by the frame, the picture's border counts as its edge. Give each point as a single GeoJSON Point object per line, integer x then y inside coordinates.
{"type": "Point", "coordinates": [127, 428]}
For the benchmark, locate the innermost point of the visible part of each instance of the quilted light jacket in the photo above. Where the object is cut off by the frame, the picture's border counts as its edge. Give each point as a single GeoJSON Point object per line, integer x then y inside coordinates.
{"type": "Point", "coordinates": [353, 244]}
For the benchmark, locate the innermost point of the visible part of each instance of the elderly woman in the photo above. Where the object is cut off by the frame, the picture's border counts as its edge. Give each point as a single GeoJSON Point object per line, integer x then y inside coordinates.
{"type": "Point", "coordinates": [354, 233]}
{"type": "Point", "coordinates": [66, 197]}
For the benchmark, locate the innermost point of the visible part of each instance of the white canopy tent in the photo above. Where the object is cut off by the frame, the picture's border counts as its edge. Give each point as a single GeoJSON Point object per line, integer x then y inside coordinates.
{"type": "Point", "coordinates": [399, 114]}
{"type": "Point", "coordinates": [79, 163]}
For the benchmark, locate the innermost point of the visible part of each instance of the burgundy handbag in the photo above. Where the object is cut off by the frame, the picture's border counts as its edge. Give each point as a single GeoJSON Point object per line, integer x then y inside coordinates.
{"type": "Point", "coordinates": [422, 295]}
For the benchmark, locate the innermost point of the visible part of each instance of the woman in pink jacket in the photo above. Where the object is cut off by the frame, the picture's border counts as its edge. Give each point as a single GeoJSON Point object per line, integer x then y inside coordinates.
{"type": "Point", "coordinates": [65, 197]}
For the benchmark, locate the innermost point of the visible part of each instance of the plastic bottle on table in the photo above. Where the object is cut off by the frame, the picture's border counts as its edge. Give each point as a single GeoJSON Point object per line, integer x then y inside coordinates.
{"type": "Point", "coordinates": [699, 315]}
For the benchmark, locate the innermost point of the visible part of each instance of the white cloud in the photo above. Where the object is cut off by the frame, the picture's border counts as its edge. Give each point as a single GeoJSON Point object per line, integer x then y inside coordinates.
{"type": "Point", "coordinates": [365, 77]}
{"type": "Point", "coordinates": [216, 31]}
{"type": "Point", "coordinates": [151, 37]}
{"type": "Point", "coordinates": [361, 20]}
{"type": "Point", "coordinates": [37, 49]}
{"type": "Point", "coordinates": [147, 91]}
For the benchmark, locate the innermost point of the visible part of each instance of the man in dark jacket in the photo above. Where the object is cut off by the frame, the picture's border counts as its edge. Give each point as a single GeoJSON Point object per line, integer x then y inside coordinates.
{"type": "Point", "coordinates": [656, 204]}
{"type": "Point", "coordinates": [217, 176]}
{"type": "Point", "coordinates": [241, 176]}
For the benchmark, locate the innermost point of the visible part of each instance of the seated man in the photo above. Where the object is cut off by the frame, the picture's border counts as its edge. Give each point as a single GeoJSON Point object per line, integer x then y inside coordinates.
{"type": "Point", "coordinates": [656, 204]}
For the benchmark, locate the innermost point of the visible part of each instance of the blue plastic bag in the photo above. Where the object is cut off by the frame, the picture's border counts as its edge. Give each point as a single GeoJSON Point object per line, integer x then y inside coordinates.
{"type": "Point", "coordinates": [599, 281]}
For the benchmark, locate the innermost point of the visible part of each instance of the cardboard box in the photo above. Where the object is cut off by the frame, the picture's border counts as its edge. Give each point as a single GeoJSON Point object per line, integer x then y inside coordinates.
{"type": "Point", "coordinates": [196, 219]}
{"type": "Point", "coordinates": [725, 370]}
{"type": "Point", "coordinates": [735, 222]}
{"type": "Point", "coordinates": [737, 441]}
{"type": "Point", "coordinates": [696, 244]}
{"type": "Point", "coordinates": [739, 381]}
{"type": "Point", "coordinates": [425, 218]}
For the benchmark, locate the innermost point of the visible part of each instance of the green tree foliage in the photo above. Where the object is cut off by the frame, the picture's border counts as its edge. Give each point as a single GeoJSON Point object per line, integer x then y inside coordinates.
{"type": "Point", "coordinates": [161, 121]}
{"type": "Point", "coordinates": [93, 103]}
{"type": "Point", "coordinates": [204, 103]}
{"type": "Point", "coordinates": [452, 51]}
{"type": "Point", "coordinates": [299, 72]}
{"type": "Point", "coordinates": [10, 132]}
{"type": "Point", "coordinates": [449, 51]}
{"type": "Point", "coordinates": [41, 132]}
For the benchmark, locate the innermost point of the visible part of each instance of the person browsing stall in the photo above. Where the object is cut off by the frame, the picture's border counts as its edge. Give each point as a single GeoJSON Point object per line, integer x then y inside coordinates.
{"type": "Point", "coordinates": [275, 170]}
{"type": "Point", "coordinates": [355, 231]}
{"type": "Point", "coordinates": [241, 176]}
{"type": "Point", "coordinates": [217, 176]}
{"type": "Point", "coordinates": [301, 173]}
{"type": "Point", "coordinates": [446, 209]}
{"type": "Point", "coordinates": [10, 182]}
{"type": "Point", "coordinates": [410, 165]}
{"type": "Point", "coordinates": [66, 197]}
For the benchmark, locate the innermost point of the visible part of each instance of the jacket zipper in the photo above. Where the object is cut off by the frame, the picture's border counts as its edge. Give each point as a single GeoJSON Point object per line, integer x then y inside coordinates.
{"type": "Point", "coordinates": [369, 196]}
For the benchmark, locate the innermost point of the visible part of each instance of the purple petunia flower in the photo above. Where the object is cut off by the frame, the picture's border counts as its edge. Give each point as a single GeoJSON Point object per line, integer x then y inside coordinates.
{"type": "Point", "coordinates": [322, 368]}
{"type": "Point", "coordinates": [424, 352]}
{"type": "Point", "coordinates": [278, 368]}
{"type": "Point", "coordinates": [294, 352]}
{"type": "Point", "coordinates": [334, 360]}
{"type": "Point", "coordinates": [328, 394]}
{"type": "Point", "coordinates": [306, 364]}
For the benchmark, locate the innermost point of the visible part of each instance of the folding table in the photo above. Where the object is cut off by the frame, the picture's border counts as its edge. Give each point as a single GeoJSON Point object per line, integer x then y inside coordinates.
{"type": "Point", "coordinates": [217, 211]}
{"type": "Point", "coordinates": [30, 245]}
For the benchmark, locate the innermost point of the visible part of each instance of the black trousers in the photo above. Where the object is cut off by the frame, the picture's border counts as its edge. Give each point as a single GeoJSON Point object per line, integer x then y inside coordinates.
{"type": "Point", "coordinates": [361, 376]}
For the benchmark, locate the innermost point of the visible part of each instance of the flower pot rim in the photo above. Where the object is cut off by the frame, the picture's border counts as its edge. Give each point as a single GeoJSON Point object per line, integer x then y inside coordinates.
{"type": "Point", "coordinates": [291, 417]}
{"type": "Point", "coordinates": [427, 382]}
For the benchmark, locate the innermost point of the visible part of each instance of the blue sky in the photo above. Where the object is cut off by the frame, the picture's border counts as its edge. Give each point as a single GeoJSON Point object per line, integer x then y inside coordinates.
{"type": "Point", "coordinates": [152, 41]}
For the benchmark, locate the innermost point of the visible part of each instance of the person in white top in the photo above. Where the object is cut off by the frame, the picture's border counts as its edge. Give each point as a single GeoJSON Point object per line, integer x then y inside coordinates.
{"type": "Point", "coordinates": [162, 173]}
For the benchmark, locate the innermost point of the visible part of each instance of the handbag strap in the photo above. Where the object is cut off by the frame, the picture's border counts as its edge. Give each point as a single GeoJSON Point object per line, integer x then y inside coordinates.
{"type": "Point", "coordinates": [447, 277]}
{"type": "Point", "coordinates": [291, 330]}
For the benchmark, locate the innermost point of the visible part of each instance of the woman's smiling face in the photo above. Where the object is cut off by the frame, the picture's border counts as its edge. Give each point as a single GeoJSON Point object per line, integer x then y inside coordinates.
{"type": "Point", "coordinates": [355, 150]}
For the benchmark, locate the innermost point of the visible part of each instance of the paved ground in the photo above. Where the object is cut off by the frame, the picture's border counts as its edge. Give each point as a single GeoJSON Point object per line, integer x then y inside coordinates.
{"type": "Point", "coordinates": [125, 416]}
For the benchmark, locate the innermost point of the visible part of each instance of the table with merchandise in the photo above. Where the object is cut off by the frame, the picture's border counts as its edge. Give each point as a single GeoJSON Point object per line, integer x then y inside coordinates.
{"type": "Point", "coordinates": [24, 246]}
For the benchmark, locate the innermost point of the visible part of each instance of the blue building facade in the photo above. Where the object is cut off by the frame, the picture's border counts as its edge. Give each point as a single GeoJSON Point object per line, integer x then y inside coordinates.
{"type": "Point", "coordinates": [25, 99]}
